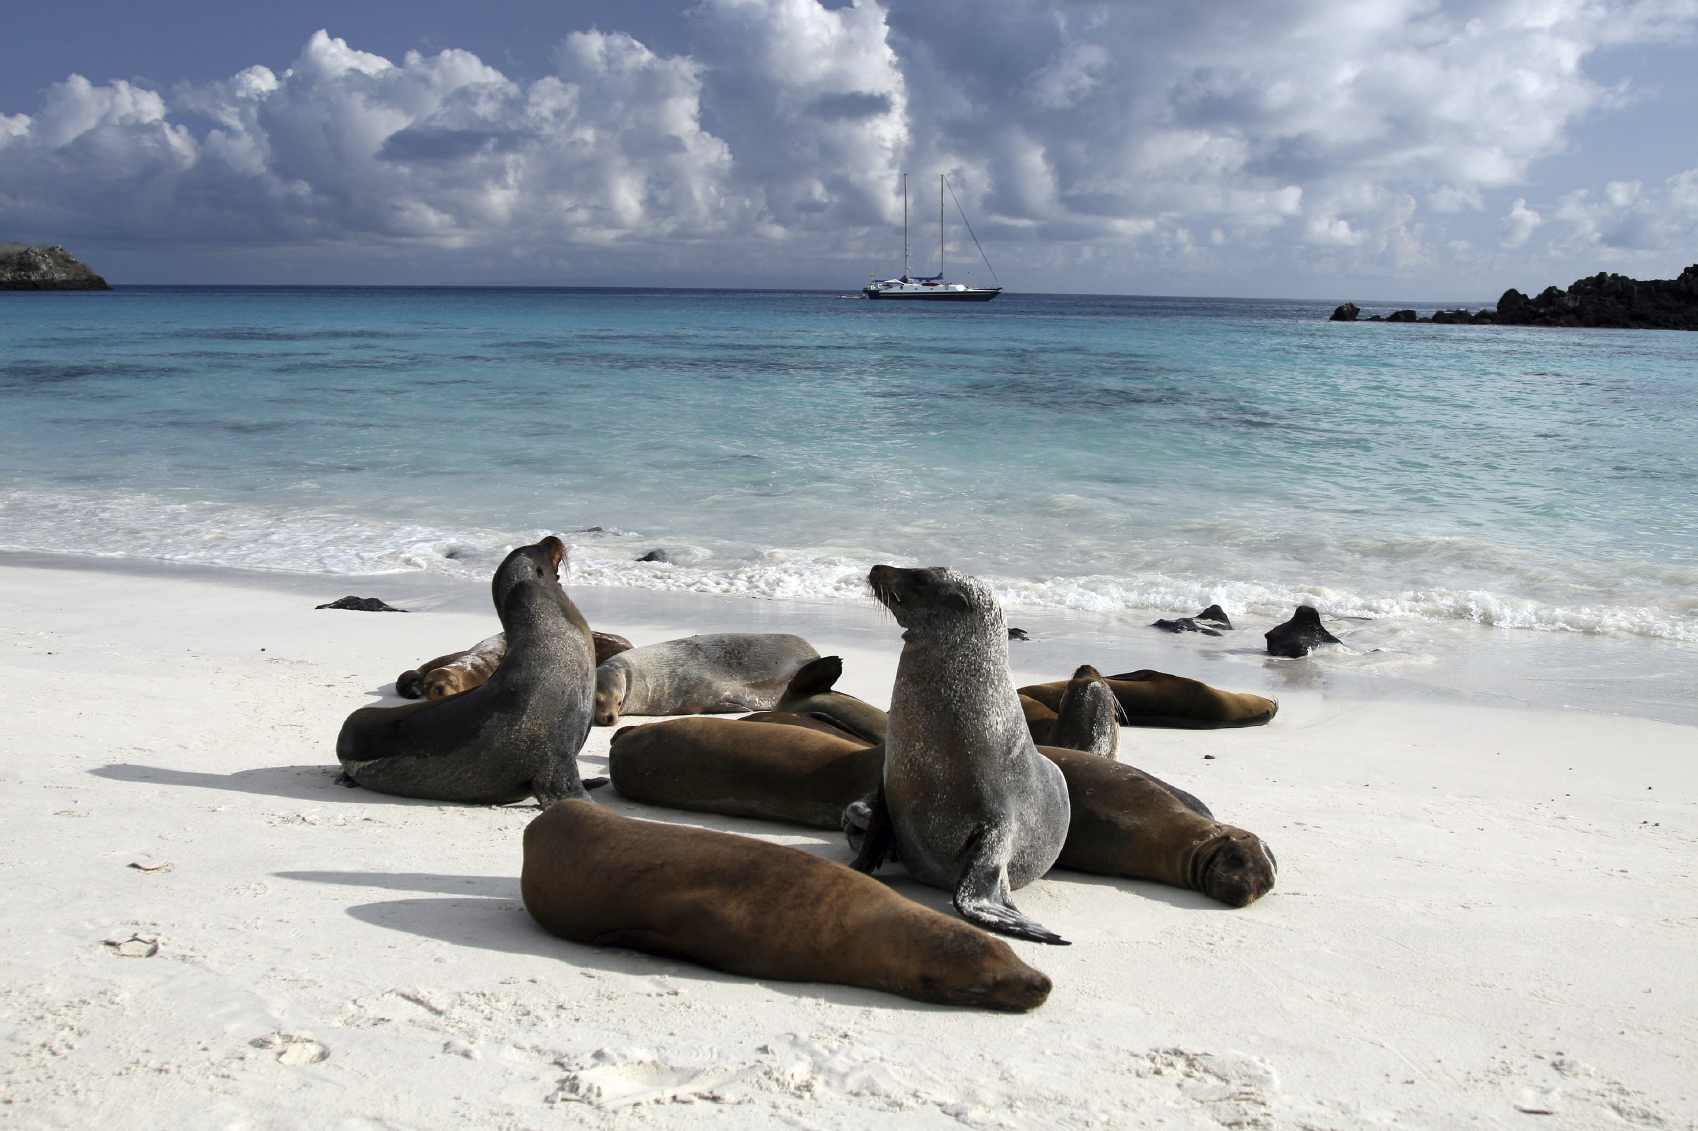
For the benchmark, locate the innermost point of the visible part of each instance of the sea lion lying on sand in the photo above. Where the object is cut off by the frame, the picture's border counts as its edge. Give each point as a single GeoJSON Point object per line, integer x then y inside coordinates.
{"type": "Point", "coordinates": [1156, 699]}
{"type": "Point", "coordinates": [462, 671]}
{"type": "Point", "coordinates": [515, 736]}
{"type": "Point", "coordinates": [714, 674]}
{"type": "Point", "coordinates": [810, 692]}
{"type": "Point", "coordinates": [756, 909]}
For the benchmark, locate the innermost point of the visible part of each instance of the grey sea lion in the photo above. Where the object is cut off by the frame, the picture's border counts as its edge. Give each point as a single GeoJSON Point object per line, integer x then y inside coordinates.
{"type": "Point", "coordinates": [1126, 822]}
{"type": "Point", "coordinates": [1089, 716]}
{"type": "Point", "coordinates": [462, 671]}
{"type": "Point", "coordinates": [775, 771]}
{"type": "Point", "coordinates": [810, 691]}
{"type": "Point", "coordinates": [1209, 622]}
{"type": "Point", "coordinates": [1156, 699]}
{"type": "Point", "coordinates": [714, 674]}
{"type": "Point", "coordinates": [517, 735]}
{"type": "Point", "coordinates": [1300, 635]}
{"type": "Point", "coordinates": [756, 909]}
{"type": "Point", "coordinates": [966, 802]}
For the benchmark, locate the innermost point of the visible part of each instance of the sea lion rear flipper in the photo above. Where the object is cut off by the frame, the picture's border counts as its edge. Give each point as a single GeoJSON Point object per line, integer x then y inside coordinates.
{"type": "Point", "coordinates": [982, 897]}
{"type": "Point", "coordinates": [595, 783]}
{"type": "Point", "coordinates": [878, 835]}
{"type": "Point", "coordinates": [343, 779]}
{"type": "Point", "coordinates": [815, 677]}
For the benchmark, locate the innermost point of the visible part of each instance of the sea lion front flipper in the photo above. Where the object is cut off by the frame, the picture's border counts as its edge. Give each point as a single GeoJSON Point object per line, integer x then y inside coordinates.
{"type": "Point", "coordinates": [815, 677]}
{"type": "Point", "coordinates": [982, 897]}
{"type": "Point", "coordinates": [871, 818]}
{"type": "Point", "coordinates": [343, 779]}
{"type": "Point", "coordinates": [561, 782]}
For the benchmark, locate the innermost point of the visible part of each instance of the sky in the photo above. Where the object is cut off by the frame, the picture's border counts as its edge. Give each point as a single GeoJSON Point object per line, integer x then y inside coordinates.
{"type": "Point", "coordinates": [1330, 149]}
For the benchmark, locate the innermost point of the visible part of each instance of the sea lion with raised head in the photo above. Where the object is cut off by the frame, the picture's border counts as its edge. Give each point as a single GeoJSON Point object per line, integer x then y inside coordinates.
{"type": "Point", "coordinates": [1125, 822]}
{"type": "Point", "coordinates": [756, 909]}
{"type": "Point", "coordinates": [1088, 717]}
{"type": "Point", "coordinates": [810, 692]}
{"type": "Point", "coordinates": [966, 802]}
{"type": "Point", "coordinates": [714, 674]}
{"type": "Point", "coordinates": [1156, 699]}
{"type": "Point", "coordinates": [774, 771]}
{"type": "Point", "coordinates": [1300, 635]}
{"type": "Point", "coordinates": [515, 736]}
{"type": "Point", "coordinates": [462, 671]}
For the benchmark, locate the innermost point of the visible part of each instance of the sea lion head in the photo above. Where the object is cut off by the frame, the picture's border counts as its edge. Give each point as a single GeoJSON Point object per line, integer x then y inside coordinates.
{"type": "Point", "coordinates": [936, 596]}
{"type": "Point", "coordinates": [1235, 867]}
{"type": "Point", "coordinates": [539, 561]}
{"type": "Point", "coordinates": [610, 685]}
{"type": "Point", "coordinates": [959, 964]}
{"type": "Point", "coordinates": [441, 682]}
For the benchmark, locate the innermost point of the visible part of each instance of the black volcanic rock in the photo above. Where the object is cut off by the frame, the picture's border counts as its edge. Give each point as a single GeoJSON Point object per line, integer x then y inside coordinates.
{"type": "Point", "coordinates": [26, 268]}
{"type": "Point", "coordinates": [360, 605]}
{"type": "Point", "coordinates": [1300, 635]}
{"type": "Point", "coordinates": [1602, 300]}
{"type": "Point", "coordinates": [1346, 313]}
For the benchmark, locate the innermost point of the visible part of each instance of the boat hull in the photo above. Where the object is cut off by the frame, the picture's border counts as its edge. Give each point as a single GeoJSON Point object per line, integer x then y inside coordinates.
{"type": "Point", "coordinates": [934, 296]}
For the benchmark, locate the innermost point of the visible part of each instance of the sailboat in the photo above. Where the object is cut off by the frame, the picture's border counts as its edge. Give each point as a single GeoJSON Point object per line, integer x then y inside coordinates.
{"type": "Point", "coordinates": [934, 288]}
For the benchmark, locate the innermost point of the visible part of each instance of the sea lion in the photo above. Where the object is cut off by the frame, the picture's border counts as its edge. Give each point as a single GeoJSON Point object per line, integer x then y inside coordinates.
{"type": "Point", "coordinates": [814, 721]}
{"type": "Point", "coordinates": [515, 736]}
{"type": "Point", "coordinates": [756, 909]}
{"type": "Point", "coordinates": [966, 802]}
{"type": "Point", "coordinates": [1089, 716]}
{"type": "Point", "coordinates": [1209, 622]}
{"type": "Point", "coordinates": [462, 671]}
{"type": "Point", "coordinates": [1300, 635]}
{"type": "Point", "coordinates": [1156, 699]}
{"type": "Point", "coordinates": [774, 771]}
{"type": "Point", "coordinates": [810, 691]}
{"type": "Point", "coordinates": [1128, 823]}
{"type": "Point", "coordinates": [715, 674]}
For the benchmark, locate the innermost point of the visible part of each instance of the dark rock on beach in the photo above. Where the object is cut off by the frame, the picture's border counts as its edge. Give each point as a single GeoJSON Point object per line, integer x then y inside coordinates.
{"type": "Point", "coordinates": [1603, 301]}
{"type": "Point", "coordinates": [656, 556]}
{"type": "Point", "coordinates": [1018, 634]}
{"type": "Point", "coordinates": [26, 268]}
{"type": "Point", "coordinates": [361, 605]}
{"type": "Point", "coordinates": [1209, 622]}
{"type": "Point", "coordinates": [1300, 635]}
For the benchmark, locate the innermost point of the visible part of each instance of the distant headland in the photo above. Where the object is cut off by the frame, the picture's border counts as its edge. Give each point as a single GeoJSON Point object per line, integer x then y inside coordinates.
{"type": "Point", "coordinates": [26, 268]}
{"type": "Point", "coordinates": [1602, 300]}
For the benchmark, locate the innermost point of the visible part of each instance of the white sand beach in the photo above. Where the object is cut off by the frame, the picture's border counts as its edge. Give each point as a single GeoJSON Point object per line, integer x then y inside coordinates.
{"type": "Point", "coordinates": [1486, 915]}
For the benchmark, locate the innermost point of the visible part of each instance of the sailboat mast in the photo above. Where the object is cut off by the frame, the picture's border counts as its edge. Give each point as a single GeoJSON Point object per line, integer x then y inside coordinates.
{"type": "Point", "coordinates": [904, 227]}
{"type": "Point", "coordinates": [940, 227]}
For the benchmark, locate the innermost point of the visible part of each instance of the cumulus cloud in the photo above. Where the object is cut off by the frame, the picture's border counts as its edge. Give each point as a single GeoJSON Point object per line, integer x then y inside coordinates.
{"type": "Point", "coordinates": [1317, 135]}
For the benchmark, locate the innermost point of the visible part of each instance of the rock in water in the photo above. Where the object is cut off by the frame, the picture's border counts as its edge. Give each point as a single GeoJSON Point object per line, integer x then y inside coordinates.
{"type": "Point", "coordinates": [657, 556]}
{"type": "Point", "coordinates": [361, 605]}
{"type": "Point", "coordinates": [1300, 635]}
{"type": "Point", "coordinates": [1346, 313]}
{"type": "Point", "coordinates": [26, 268]}
{"type": "Point", "coordinates": [1209, 622]}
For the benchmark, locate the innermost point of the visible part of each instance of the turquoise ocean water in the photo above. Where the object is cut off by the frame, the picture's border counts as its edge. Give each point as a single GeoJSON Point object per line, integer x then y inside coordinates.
{"type": "Point", "coordinates": [1424, 484]}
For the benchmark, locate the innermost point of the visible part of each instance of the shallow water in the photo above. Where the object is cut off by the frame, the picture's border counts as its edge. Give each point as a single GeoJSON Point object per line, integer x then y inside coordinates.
{"type": "Point", "coordinates": [1085, 452]}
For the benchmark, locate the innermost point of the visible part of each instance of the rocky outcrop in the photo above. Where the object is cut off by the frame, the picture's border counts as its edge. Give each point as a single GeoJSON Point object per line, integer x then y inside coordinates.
{"type": "Point", "coordinates": [26, 268]}
{"type": "Point", "coordinates": [1603, 300]}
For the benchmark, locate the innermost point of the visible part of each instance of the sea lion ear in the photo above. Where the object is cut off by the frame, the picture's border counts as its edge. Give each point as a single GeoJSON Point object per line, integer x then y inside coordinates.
{"type": "Point", "coordinates": [961, 601]}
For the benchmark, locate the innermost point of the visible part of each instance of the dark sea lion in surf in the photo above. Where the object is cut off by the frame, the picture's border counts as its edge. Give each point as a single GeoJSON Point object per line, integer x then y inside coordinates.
{"type": "Point", "coordinates": [516, 736]}
{"type": "Point", "coordinates": [756, 909]}
{"type": "Point", "coordinates": [1129, 823]}
{"type": "Point", "coordinates": [1210, 622]}
{"type": "Point", "coordinates": [810, 692]}
{"type": "Point", "coordinates": [462, 671]}
{"type": "Point", "coordinates": [1156, 699]}
{"type": "Point", "coordinates": [712, 674]}
{"type": "Point", "coordinates": [1300, 635]}
{"type": "Point", "coordinates": [774, 771]}
{"type": "Point", "coordinates": [966, 802]}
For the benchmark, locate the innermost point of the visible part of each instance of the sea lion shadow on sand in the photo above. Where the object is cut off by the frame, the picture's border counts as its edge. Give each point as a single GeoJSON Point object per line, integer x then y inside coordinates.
{"type": "Point", "coordinates": [314, 783]}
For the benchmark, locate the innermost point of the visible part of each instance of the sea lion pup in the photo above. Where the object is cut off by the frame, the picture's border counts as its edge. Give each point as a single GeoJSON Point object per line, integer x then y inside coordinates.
{"type": "Point", "coordinates": [716, 674]}
{"type": "Point", "coordinates": [462, 671]}
{"type": "Point", "coordinates": [773, 771]}
{"type": "Point", "coordinates": [1089, 716]}
{"type": "Point", "coordinates": [810, 692]}
{"type": "Point", "coordinates": [966, 801]}
{"type": "Point", "coordinates": [515, 736]}
{"type": "Point", "coordinates": [1127, 823]}
{"type": "Point", "coordinates": [1300, 635]}
{"type": "Point", "coordinates": [756, 909]}
{"type": "Point", "coordinates": [1156, 699]}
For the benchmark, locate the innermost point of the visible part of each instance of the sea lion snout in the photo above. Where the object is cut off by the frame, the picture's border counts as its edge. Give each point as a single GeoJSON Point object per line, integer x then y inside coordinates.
{"type": "Point", "coordinates": [1236, 868]}
{"type": "Point", "coordinates": [974, 969]}
{"type": "Point", "coordinates": [912, 593]}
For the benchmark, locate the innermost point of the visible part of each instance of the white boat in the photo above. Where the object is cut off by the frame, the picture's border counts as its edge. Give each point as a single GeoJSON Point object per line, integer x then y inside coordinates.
{"type": "Point", "coordinates": [933, 288]}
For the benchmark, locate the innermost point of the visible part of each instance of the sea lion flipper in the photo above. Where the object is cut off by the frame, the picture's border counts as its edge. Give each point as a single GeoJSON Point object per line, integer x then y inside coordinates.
{"type": "Point", "coordinates": [982, 894]}
{"type": "Point", "coordinates": [878, 835]}
{"type": "Point", "coordinates": [595, 783]}
{"type": "Point", "coordinates": [815, 677]}
{"type": "Point", "coordinates": [343, 779]}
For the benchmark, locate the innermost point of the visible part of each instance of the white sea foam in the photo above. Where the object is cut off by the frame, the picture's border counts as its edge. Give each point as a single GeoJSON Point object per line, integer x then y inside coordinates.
{"type": "Point", "coordinates": [230, 535]}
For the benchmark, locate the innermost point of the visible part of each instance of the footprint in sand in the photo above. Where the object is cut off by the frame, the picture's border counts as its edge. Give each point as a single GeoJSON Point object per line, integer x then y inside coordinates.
{"type": "Point", "coordinates": [293, 1049]}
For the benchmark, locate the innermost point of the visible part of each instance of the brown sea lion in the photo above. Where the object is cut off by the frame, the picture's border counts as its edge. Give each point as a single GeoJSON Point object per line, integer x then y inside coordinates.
{"type": "Point", "coordinates": [1127, 823]}
{"type": "Point", "coordinates": [1156, 699]}
{"type": "Point", "coordinates": [810, 692]}
{"type": "Point", "coordinates": [816, 722]}
{"type": "Point", "coordinates": [769, 770]}
{"type": "Point", "coordinates": [966, 802]}
{"type": "Point", "coordinates": [756, 909]}
{"type": "Point", "coordinates": [517, 735]}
